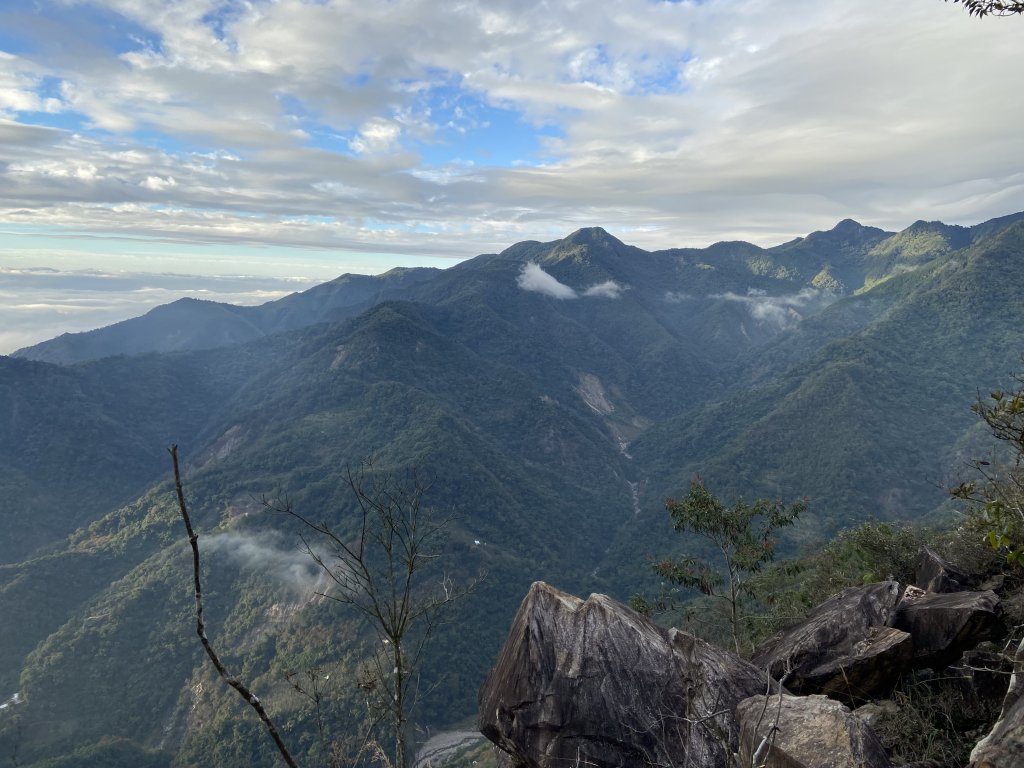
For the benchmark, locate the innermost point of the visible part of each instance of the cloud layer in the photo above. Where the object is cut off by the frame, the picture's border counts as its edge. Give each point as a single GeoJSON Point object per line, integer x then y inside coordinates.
{"type": "Point", "coordinates": [39, 303]}
{"type": "Point", "coordinates": [420, 127]}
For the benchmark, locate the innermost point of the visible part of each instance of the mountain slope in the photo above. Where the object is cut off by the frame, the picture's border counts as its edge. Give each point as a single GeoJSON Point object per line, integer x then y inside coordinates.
{"type": "Point", "coordinates": [193, 324]}
{"type": "Point", "coordinates": [866, 425]}
{"type": "Point", "coordinates": [554, 393]}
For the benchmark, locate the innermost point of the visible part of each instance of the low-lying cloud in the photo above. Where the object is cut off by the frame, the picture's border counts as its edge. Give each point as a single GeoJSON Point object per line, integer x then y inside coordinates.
{"type": "Point", "coordinates": [780, 312]}
{"type": "Point", "coordinates": [533, 278]}
{"type": "Point", "coordinates": [290, 566]}
{"type": "Point", "coordinates": [609, 289]}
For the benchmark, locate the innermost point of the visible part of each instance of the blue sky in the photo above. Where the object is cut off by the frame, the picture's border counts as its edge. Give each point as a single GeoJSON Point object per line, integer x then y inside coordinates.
{"type": "Point", "coordinates": [293, 140]}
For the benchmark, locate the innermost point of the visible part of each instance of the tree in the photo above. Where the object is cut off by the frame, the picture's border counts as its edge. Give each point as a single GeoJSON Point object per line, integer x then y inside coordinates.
{"type": "Point", "coordinates": [387, 572]}
{"type": "Point", "coordinates": [743, 534]}
{"type": "Point", "coordinates": [997, 499]}
{"type": "Point", "coordinates": [998, 495]}
{"type": "Point", "coordinates": [382, 572]}
{"type": "Point", "coordinates": [981, 8]}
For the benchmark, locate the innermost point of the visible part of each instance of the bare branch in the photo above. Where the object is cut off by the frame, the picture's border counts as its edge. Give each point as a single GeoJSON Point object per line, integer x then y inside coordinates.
{"type": "Point", "coordinates": [250, 698]}
{"type": "Point", "coordinates": [380, 571]}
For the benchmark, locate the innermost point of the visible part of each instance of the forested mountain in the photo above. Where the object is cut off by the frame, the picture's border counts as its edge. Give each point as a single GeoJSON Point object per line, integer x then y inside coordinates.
{"type": "Point", "coordinates": [192, 324]}
{"type": "Point", "coordinates": [555, 393]}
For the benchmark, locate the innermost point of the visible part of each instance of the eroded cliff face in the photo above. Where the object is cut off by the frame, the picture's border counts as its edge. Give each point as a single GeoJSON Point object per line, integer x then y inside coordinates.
{"type": "Point", "coordinates": [595, 683]}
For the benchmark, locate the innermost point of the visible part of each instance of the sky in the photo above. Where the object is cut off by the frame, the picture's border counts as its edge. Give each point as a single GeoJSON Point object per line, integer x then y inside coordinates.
{"type": "Point", "coordinates": [241, 149]}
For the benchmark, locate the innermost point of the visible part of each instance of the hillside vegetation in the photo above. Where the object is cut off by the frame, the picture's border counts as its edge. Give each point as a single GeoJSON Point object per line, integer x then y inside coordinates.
{"type": "Point", "coordinates": [554, 393]}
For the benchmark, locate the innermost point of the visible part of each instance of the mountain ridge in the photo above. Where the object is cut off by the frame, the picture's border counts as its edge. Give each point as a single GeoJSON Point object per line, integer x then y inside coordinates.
{"type": "Point", "coordinates": [589, 253]}
{"type": "Point", "coordinates": [552, 422]}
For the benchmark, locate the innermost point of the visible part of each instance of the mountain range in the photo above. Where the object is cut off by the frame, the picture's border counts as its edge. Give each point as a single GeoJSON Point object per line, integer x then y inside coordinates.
{"type": "Point", "coordinates": [554, 393]}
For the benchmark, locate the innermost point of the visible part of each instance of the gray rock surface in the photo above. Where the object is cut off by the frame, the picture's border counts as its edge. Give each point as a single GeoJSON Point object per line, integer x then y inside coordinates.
{"type": "Point", "coordinates": [805, 732]}
{"type": "Point", "coordinates": [934, 574]}
{"type": "Point", "coordinates": [1003, 747]}
{"type": "Point", "coordinates": [595, 683]}
{"type": "Point", "coordinates": [843, 648]}
{"type": "Point", "coordinates": [945, 625]}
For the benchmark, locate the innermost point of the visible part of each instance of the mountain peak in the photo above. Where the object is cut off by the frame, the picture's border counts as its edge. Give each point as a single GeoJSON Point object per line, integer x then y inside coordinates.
{"type": "Point", "coordinates": [592, 236]}
{"type": "Point", "coordinates": [846, 231]}
{"type": "Point", "coordinates": [851, 228]}
{"type": "Point", "coordinates": [847, 225]}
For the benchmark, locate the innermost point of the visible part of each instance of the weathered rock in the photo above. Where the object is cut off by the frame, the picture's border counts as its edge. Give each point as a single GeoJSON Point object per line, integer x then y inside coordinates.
{"type": "Point", "coordinates": [934, 574]}
{"type": "Point", "coordinates": [1003, 747]}
{"type": "Point", "coordinates": [810, 732]}
{"type": "Point", "coordinates": [595, 683]}
{"type": "Point", "coordinates": [844, 648]}
{"type": "Point", "coordinates": [875, 712]}
{"type": "Point", "coordinates": [945, 625]}
{"type": "Point", "coordinates": [996, 583]}
{"type": "Point", "coordinates": [871, 667]}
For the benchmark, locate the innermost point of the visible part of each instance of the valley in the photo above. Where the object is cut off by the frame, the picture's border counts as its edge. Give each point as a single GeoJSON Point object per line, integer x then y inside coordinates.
{"type": "Point", "coordinates": [554, 394]}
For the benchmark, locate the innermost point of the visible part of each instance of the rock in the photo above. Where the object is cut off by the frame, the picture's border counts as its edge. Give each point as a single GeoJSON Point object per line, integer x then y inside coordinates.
{"type": "Point", "coordinates": [844, 647]}
{"type": "Point", "coordinates": [1003, 747]}
{"type": "Point", "coordinates": [933, 574]}
{"type": "Point", "coordinates": [595, 683]}
{"type": "Point", "coordinates": [996, 583]}
{"type": "Point", "coordinates": [811, 732]}
{"type": "Point", "coordinates": [945, 625]}
{"type": "Point", "coordinates": [871, 667]}
{"type": "Point", "coordinates": [876, 712]}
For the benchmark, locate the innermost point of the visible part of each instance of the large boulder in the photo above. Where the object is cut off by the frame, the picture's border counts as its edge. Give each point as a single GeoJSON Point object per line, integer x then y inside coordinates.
{"type": "Point", "coordinates": [805, 732]}
{"type": "Point", "coordinates": [1003, 747]}
{"type": "Point", "coordinates": [935, 574]}
{"type": "Point", "coordinates": [945, 625]}
{"type": "Point", "coordinates": [595, 683]}
{"type": "Point", "coordinates": [844, 648]}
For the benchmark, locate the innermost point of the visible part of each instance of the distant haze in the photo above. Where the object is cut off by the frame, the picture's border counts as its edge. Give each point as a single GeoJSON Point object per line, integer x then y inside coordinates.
{"type": "Point", "coordinates": [39, 304]}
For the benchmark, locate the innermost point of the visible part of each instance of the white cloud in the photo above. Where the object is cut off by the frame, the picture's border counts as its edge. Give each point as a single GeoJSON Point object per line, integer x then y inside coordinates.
{"type": "Point", "coordinates": [535, 279]}
{"type": "Point", "coordinates": [606, 290]}
{"type": "Point", "coordinates": [677, 297]}
{"type": "Point", "coordinates": [158, 183]}
{"type": "Point", "coordinates": [377, 135]}
{"type": "Point", "coordinates": [780, 312]}
{"type": "Point", "coordinates": [292, 567]}
{"type": "Point", "coordinates": [758, 121]}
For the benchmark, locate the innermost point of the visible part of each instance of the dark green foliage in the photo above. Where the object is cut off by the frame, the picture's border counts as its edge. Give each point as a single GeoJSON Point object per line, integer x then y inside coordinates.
{"type": "Point", "coordinates": [778, 433]}
{"type": "Point", "coordinates": [743, 539]}
{"type": "Point", "coordinates": [997, 498]}
{"type": "Point", "coordinates": [108, 753]}
{"type": "Point", "coordinates": [863, 554]}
